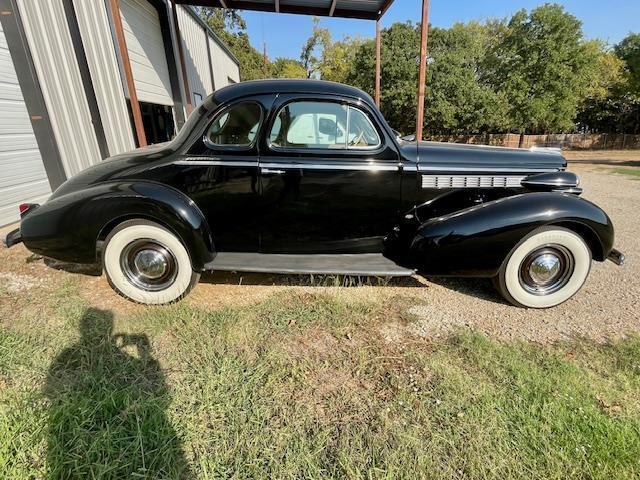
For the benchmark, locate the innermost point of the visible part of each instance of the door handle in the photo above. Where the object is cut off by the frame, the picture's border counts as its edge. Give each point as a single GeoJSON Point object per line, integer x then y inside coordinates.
{"type": "Point", "coordinates": [268, 171]}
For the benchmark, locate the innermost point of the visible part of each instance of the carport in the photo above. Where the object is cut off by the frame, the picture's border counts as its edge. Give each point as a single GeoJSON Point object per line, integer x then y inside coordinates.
{"type": "Point", "coordinates": [356, 9]}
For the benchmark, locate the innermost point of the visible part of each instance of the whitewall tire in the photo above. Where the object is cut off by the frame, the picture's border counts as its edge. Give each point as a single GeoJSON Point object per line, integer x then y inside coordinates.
{"type": "Point", "coordinates": [147, 263]}
{"type": "Point", "coordinates": [546, 268]}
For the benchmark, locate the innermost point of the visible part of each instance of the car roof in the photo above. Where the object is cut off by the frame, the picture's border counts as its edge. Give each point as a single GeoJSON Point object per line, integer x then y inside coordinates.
{"type": "Point", "coordinates": [260, 87]}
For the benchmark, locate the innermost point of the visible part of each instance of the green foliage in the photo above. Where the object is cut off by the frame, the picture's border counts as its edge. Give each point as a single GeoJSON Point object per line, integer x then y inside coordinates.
{"type": "Point", "coordinates": [544, 67]}
{"type": "Point", "coordinates": [460, 97]}
{"type": "Point", "coordinates": [338, 58]}
{"type": "Point", "coordinates": [629, 51]}
{"type": "Point", "coordinates": [399, 56]}
{"type": "Point", "coordinates": [229, 25]}
{"type": "Point", "coordinates": [319, 40]}
{"type": "Point", "coordinates": [287, 68]}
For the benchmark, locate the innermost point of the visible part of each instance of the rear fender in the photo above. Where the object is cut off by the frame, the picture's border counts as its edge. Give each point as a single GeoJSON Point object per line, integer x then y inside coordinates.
{"type": "Point", "coordinates": [69, 227]}
{"type": "Point", "coordinates": [475, 241]}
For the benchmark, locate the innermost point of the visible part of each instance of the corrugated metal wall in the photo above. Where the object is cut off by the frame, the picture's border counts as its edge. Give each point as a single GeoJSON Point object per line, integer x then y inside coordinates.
{"type": "Point", "coordinates": [194, 45]}
{"type": "Point", "coordinates": [99, 48]}
{"type": "Point", "coordinates": [52, 50]}
{"type": "Point", "coordinates": [145, 44]}
{"type": "Point", "coordinates": [22, 174]}
{"type": "Point", "coordinates": [224, 68]}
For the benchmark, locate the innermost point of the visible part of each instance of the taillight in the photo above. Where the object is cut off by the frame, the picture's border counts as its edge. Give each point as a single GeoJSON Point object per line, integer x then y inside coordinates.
{"type": "Point", "coordinates": [24, 207]}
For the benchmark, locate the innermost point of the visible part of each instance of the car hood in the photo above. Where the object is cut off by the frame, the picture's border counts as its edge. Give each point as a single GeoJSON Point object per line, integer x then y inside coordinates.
{"type": "Point", "coordinates": [444, 157]}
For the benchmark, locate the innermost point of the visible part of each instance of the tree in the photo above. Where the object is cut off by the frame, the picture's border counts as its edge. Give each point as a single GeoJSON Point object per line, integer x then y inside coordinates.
{"type": "Point", "coordinates": [337, 59]}
{"type": "Point", "coordinates": [543, 66]}
{"type": "Point", "coordinates": [287, 68]}
{"type": "Point", "coordinates": [318, 41]}
{"type": "Point", "coordinates": [399, 57]}
{"type": "Point", "coordinates": [628, 50]}
{"type": "Point", "coordinates": [459, 95]}
{"type": "Point", "coordinates": [230, 26]}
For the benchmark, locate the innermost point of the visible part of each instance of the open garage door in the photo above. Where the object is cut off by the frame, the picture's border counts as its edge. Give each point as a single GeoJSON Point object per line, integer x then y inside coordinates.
{"type": "Point", "coordinates": [22, 174]}
{"type": "Point", "coordinates": [143, 34]}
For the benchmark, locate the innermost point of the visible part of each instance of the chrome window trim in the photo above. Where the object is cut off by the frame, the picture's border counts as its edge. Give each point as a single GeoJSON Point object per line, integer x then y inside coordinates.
{"type": "Point", "coordinates": [231, 147]}
{"type": "Point", "coordinates": [277, 148]}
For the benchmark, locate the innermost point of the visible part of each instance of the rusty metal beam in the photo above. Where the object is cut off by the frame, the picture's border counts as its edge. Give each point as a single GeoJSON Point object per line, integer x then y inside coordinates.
{"type": "Point", "coordinates": [378, 63]}
{"type": "Point", "coordinates": [114, 5]}
{"type": "Point", "coordinates": [422, 73]}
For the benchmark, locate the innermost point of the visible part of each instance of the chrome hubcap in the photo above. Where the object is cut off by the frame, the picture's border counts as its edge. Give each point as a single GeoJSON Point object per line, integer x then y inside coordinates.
{"type": "Point", "coordinates": [148, 265]}
{"type": "Point", "coordinates": [546, 270]}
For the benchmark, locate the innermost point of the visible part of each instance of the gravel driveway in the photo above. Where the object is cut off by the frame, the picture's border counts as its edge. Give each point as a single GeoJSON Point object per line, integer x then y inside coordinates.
{"type": "Point", "coordinates": [607, 307]}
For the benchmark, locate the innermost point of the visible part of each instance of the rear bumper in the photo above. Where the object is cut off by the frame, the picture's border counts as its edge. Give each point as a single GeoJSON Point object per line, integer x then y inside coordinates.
{"type": "Point", "coordinates": [12, 238]}
{"type": "Point", "coordinates": [616, 256]}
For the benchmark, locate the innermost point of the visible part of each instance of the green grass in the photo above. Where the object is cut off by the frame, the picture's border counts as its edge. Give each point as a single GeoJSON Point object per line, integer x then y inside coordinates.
{"type": "Point", "coordinates": [634, 172]}
{"type": "Point", "coordinates": [303, 386]}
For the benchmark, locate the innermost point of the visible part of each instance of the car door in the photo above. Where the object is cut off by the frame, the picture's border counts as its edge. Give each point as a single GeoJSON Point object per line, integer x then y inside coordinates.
{"type": "Point", "coordinates": [330, 177]}
{"type": "Point", "coordinates": [220, 174]}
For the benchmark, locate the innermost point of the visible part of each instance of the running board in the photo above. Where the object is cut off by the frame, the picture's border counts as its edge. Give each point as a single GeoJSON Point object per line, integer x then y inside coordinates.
{"type": "Point", "coordinates": [365, 264]}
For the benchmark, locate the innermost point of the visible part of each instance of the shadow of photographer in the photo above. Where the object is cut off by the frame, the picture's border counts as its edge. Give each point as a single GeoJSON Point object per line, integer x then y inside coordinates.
{"type": "Point", "coordinates": [107, 408]}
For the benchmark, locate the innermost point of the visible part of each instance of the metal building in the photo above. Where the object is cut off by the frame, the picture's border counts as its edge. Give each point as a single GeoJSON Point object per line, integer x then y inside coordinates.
{"type": "Point", "coordinates": [81, 80]}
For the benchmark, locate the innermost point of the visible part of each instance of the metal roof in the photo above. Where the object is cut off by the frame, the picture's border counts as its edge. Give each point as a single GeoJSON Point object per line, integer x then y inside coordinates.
{"type": "Point", "coordinates": [358, 9]}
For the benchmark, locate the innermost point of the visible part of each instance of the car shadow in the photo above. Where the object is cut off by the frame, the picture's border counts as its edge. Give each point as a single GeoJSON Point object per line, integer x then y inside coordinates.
{"type": "Point", "coordinates": [107, 409]}
{"type": "Point", "coordinates": [305, 280]}
{"type": "Point", "coordinates": [475, 287]}
{"type": "Point", "coordinates": [481, 288]}
{"type": "Point", "coordinates": [81, 268]}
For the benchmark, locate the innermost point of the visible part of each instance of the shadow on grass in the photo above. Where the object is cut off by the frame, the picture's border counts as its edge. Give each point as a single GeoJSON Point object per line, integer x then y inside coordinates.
{"type": "Point", "coordinates": [107, 408]}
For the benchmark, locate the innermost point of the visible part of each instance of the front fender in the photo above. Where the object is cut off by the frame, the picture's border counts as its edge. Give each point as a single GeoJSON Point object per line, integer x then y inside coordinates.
{"type": "Point", "coordinates": [68, 227]}
{"type": "Point", "coordinates": [475, 241]}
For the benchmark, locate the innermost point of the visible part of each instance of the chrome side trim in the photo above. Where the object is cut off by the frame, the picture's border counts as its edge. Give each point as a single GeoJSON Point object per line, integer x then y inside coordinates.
{"type": "Point", "coordinates": [333, 166]}
{"type": "Point", "coordinates": [471, 181]}
{"type": "Point", "coordinates": [289, 166]}
{"type": "Point", "coordinates": [446, 168]}
{"type": "Point", "coordinates": [216, 162]}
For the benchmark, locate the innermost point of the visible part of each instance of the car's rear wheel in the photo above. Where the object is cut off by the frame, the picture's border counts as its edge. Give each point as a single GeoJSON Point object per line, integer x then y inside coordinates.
{"type": "Point", "coordinates": [146, 263]}
{"type": "Point", "coordinates": [545, 269]}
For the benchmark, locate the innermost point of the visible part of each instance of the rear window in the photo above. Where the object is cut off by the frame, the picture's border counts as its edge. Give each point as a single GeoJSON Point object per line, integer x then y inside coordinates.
{"type": "Point", "coordinates": [236, 126]}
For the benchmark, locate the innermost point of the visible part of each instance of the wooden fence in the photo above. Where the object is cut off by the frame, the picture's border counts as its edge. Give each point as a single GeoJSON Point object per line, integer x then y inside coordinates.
{"type": "Point", "coordinates": [568, 141]}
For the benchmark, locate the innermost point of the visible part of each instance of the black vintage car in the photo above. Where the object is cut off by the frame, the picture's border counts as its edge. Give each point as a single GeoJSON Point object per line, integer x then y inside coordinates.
{"type": "Point", "coordinates": [302, 176]}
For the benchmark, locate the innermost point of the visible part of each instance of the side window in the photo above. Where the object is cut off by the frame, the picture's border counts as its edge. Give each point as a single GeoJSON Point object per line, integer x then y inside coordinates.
{"type": "Point", "coordinates": [310, 125]}
{"type": "Point", "coordinates": [320, 125]}
{"type": "Point", "coordinates": [236, 126]}
{"type": "Point", "coordinates": [362, 133]}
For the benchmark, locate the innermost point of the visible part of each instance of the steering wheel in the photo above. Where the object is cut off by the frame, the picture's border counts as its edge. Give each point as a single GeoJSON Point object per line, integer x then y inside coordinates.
{"type": "Point", "coordinates": [357, 140]}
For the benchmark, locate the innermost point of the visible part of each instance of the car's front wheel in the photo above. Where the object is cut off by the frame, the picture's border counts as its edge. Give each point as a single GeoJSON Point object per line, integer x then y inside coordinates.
{"type": "Point", "coordinates": [147, 263]}
{"type": "Point", "coordinates": [546, 268]}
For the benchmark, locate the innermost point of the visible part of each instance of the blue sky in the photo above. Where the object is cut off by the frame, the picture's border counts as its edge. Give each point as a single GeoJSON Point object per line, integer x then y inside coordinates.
{"type": "Point", "coordinates": [609, 20]}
